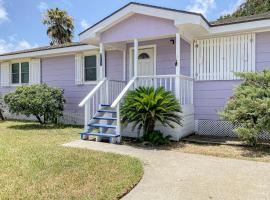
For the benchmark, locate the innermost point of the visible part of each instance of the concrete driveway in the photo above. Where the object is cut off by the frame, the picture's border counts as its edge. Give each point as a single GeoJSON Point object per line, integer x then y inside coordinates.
{"type": "Point", "coordinates": [173, 175]}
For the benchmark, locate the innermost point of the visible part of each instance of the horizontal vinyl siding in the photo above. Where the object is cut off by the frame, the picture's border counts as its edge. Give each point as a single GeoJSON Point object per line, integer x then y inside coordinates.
{"type": "Point", "coordinates": [114, 65]}
{"type": "Point", "coordinates": [60, 72]}
{"type": "Point", "coordinates": [262, 51]}
{"type": "Point", "coordinates": [210, 97]}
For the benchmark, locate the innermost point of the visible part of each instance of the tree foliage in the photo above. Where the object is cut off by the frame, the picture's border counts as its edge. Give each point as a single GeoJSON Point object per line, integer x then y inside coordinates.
{"type": "Point", "coordinates": [145, 106]}
{"type": "Point", "coordinates": [60, 26]}
{"type": "Point", "coordinates": [249, 107]}
{"type": "Point", "coordinates": [248, 8]}
{"type": "Point", "coordinates": [44, 102]}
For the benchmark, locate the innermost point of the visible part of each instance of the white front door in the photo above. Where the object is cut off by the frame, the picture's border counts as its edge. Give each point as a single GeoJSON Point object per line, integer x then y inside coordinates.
{"type": "Point", "coordinates": [145, 61]}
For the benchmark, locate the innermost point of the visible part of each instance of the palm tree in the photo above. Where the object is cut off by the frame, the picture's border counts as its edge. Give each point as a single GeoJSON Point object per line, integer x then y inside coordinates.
{"type": "Point", "coordinates": [146, 105]}
{"type": "Point", "coordinates": [60, 26]}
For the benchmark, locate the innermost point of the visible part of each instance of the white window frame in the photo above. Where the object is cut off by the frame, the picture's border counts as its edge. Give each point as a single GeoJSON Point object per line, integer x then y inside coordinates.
{"type": "Point", "coordinates": [85, 54]}
{"type": "Point", "coordinates": [20, 70]}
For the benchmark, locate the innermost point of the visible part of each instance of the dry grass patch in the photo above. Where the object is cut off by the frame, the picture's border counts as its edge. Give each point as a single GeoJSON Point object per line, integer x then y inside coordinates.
{"type": "Point", "coordinates": [34, 165]}
{"type": "Point", "coordinates": [260, 153]}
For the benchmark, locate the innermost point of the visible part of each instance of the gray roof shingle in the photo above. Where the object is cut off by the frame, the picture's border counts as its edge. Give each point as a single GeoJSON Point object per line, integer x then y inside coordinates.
{"type": "Point", "coordinates": [44, 48]}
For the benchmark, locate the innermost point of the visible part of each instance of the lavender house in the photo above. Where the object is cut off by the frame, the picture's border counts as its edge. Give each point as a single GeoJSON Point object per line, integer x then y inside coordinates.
{"type": "Point", "coordinates": [153, 46]}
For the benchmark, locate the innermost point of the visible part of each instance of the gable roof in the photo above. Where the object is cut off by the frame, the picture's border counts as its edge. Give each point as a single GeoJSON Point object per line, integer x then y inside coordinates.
{"type": "Point", "coordinates": [150, 6]}
{"type": "Point", "coordinates": [211, 24]}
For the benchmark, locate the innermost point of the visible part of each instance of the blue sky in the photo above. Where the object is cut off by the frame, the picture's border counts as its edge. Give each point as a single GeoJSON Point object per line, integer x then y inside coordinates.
{"type": "Point", "coordinates": [21, 27]}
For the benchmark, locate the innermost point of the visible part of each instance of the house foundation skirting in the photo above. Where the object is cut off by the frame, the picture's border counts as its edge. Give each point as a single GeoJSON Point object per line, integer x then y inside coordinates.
{"type": "Point", "coordinates": [219, 128]}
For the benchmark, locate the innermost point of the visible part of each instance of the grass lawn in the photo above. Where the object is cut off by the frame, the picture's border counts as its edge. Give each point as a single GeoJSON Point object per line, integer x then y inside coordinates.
{"type": "Point", "coordinates": [34, 165]}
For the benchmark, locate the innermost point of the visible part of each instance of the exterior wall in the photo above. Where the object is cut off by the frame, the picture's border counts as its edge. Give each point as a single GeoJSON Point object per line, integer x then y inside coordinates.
{"type": "Point", "coordinates": [60, 72]}
{"type": "Point", "coordinates": [166, 56]}
{"type": "Point", "coordinates": [114, 65]}
{"type": "Point", "coordinates": [211, 96]}
{"type": "Point", "coordinates": [138, 26]}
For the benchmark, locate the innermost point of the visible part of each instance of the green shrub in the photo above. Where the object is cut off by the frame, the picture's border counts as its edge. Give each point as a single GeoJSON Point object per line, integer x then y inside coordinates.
{"type": "Point", "coordinates": [249, 106]}
{"type": "Point", "coordinates": [145, 106]}
{"type": "Point", "coordinates": [44, 102]}
{"type": "Point", "coordinates": [2, 107]}
{"type": "Point", "coordinates": [156, 138]}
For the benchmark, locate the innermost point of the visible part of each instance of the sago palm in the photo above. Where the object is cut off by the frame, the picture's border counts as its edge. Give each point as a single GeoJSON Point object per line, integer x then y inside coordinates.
{"type": "Point", "coordinates": [145, 106]}
{"type": "Point", "coordinates": [60, 26]}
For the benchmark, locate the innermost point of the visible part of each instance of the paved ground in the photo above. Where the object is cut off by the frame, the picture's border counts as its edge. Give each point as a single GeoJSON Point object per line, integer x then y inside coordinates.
{"type": "Point", "coordinates": [173, 175]}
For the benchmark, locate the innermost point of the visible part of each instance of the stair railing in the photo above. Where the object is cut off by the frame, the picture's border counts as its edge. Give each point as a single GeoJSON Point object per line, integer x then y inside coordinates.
{"type": "Point", "coordinates": [92, 101]}
{"type": "Point", "coordinates": [117, 102]}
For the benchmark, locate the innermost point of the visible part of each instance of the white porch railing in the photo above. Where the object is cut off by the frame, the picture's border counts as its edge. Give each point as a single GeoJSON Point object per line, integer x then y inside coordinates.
{"type": "Point", "coordinates": [103, 93]}
{"type": "Point", "coordinates": [113, 92]}
{"type": "Point", "coordinates": [181, 86]}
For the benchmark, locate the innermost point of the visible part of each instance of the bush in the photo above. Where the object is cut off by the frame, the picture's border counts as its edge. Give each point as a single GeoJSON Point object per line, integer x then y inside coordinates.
{"type": "Point", "coordinates": [156, 138]}
{"type": "Point", "coordinates": [249, 107]}
{"type": "Point", "coordinates": [2, 108]}
{"type": "Point", "coordinates": [44, 102]}
{"type": "Point", "coordinates": [146, 105]}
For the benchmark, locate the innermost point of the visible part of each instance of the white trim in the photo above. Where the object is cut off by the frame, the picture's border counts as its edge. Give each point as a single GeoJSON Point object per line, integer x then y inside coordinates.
{"type": "Point", "coordinates": [135, 57]}
{"type": "Point", "coordinates": [20, 70]}
{"type": "Point", "coordinates": [124, 64]}
{"type": "Point", "coordinates": [85, 54]}
{"type": "Point", "coordinates": [50, 52]}
{"type": "Point", "coordinates": [154, 46]}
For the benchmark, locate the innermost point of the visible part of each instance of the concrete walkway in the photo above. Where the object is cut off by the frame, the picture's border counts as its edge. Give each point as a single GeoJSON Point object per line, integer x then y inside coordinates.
{"type": "Point", "coordinates": [173, 175]}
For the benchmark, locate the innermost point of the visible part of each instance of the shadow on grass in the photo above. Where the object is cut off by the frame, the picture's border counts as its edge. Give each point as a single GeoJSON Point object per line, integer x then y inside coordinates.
{"type": "Point", "coordinates": [30, 125]}
{"type": "Point", "coordinates": [148, 146]}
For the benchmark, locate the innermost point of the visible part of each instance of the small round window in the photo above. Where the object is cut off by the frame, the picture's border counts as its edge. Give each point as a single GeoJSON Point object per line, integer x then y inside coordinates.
{"type": "Point", "coordinates": [144, 56]}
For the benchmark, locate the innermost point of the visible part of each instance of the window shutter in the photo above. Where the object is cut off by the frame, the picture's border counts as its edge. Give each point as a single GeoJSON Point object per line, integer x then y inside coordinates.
{"type": "Point", "coordinates": [34, 72]}
{"type": "Point", "coordinates": [5, 74]}
{"type": "Point", "coordinates": [79, 69]}
{"type": "Point", "coordinates": [217, 58]}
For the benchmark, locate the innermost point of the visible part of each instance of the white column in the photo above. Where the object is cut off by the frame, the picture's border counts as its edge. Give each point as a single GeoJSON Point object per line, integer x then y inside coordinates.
{"type": "Point", "coordinates": [136, 57]}
{"type": "Point", "coordinates": [124, 64]}
{"type": "Point", "coordinates": [178, 60]}
{"type": "Point", "coordinates": [101, 61]}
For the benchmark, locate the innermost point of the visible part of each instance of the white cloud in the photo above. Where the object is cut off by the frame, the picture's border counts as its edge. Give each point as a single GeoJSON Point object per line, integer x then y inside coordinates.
{"type": "Point", "coordinates": [233, 7]}
{"type": "Point", "coordinates": [3, 12]}
{"type": "Point", "coordinates": [43, 6]}
{"type": "Point", "coordinates": [202, 6]}
{"type": "Point", "coordinates": [23, 44]}
{"type": "Point", "coordinates": [84, 24]}
{"type": "Point", "coordinates": [7, 46]}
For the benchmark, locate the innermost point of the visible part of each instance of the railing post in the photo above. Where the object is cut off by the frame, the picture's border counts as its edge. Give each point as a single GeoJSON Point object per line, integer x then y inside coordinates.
{"type": "Point", "coordinates": [118, 116]}
{"type": "Point", "coordinates": [87, 115]}
{"type": "Point", "coordinates": [177, 81]}
{"type": "Point", "coordinates": [107, 91]}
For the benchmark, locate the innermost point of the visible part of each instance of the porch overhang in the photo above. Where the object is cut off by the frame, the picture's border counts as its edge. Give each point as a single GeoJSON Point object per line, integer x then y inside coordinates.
{"type": "Point", "coordinates": [178, 18]}
{"type": "Point", "coordinates": [191, 25]}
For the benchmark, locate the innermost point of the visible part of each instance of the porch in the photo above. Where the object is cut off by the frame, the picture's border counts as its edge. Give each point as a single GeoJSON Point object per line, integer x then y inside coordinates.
{"type": "Point", "coordinates": [149, 68]}
{"type": "Point", "coordinates": [138, 50]}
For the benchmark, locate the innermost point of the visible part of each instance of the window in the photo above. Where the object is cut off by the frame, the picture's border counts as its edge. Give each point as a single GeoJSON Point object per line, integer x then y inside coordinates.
{"type": "Point", "coordinates": [217, 58]}
{"type": "Point", "coordinates": [144, 56]}
{"type": "Point", "coordinates": [20, 73]}
{"type": "Point", "coordinates": [90, 68]}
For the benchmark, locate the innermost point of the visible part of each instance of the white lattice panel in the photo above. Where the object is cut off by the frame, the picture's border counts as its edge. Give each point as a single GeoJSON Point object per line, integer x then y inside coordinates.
{"type": "Point", "coordinates": [220, 128]}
